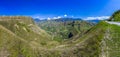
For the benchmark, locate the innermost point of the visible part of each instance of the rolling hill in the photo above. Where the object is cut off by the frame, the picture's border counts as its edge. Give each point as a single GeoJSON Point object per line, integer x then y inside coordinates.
{"type": "Point", "coordinates": [65, 29]}
{"type": "Point", "coordinates": [21, 37]}
{"type": "Point", "coordinates": [20, 33]}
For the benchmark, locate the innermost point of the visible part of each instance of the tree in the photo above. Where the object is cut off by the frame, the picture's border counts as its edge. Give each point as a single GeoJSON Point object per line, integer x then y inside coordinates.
{"type": "Point", "coordinates": [70, 35]}
{"type": "Point", "coordinates": [115, 16]}
{"type": "Point", "coordinates": [73, 23]}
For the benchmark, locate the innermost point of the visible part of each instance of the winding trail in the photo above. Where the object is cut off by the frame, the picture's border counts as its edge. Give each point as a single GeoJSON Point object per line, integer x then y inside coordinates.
{"type": "Point", "coordinates": [116, 23]}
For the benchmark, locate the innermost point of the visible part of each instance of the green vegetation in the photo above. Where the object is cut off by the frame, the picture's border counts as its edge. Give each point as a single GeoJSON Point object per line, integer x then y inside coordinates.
{"type": "Point", "coordinates": [26, 30]}
{"type": "Point", "coordinates": [21, 37]}
{"type": "Point", "coordinates": [61, 30]}
{"type": "Point", "coordinates": [111, 43]}
{"type": "Point", "coordinates": [115, 16]}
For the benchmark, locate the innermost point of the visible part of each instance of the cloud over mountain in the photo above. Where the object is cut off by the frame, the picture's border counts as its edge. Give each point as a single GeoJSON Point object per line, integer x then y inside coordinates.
{"type": "Point", "coordinates": [97, 18]}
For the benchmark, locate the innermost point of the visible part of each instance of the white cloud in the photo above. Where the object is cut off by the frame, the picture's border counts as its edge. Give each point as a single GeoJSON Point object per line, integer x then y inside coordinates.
{"type": "Point", "coordinates": [97, 18]}
{"type": "Point", "coordinates": [55, 18]}
{"type": "Point", "coordinates": [38, 17]}
{"type": "Point", "coordinates": [48, 18]}
{"type": "Point", "coordinates": [65, 15]}
{"type": "Point", "coordinates": [58, 17]}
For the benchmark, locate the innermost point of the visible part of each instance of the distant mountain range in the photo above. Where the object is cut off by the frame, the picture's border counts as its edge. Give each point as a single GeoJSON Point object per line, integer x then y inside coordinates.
{"type": "Point", "coordinates": [59, 19]}
{"type": "Point", "coordinates": [94, 21]}
{"type": "Point", "coordinates": [66, 19]}
{"type": "Point", "coordinates": [20, 36]}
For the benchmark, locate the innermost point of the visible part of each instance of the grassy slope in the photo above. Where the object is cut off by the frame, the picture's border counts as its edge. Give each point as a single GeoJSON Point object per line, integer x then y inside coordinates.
{"type": "Point", "coordinates": [19, 36]}
{"type": "Point", "coordinates": [110, 43]}
{"type": "Point", "coordinates": [26, 29]}
{"type": "Point", "coordinates": [101, 40]}
{"type": "Point", "coordinates": [92, 43]}
{"type": "Point", "coordinates": [22, 40]}
{"type": "Point", "coordinates": [60, 30]}
{"type": "Point", "coordinates": [12, 45]}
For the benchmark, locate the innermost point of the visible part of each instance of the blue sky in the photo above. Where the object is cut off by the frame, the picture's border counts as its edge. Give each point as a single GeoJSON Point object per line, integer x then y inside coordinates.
{"type": "Point", "coordinates": [55, 8]}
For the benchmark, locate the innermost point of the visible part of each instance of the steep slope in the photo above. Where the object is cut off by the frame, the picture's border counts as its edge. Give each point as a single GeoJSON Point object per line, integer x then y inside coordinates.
{"type": "Point", "coordinates": [61, 30]}
{"type": "Point", "coordinates": [25, 28]}
{"type": "Point", "coordinates": [110, 43]}
{"type": "Point", "coordinates": [21, 37]}
{"type": "Point", "coordinates": [12, 45]}
{"type": "Point", "coordinates": [25, 39]}
{"type": "Point", "coordinates": [100, 41]}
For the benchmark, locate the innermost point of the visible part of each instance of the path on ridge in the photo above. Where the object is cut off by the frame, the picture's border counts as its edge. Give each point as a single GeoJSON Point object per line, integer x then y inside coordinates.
{"type": "Point", "coordinates": [116, 23]}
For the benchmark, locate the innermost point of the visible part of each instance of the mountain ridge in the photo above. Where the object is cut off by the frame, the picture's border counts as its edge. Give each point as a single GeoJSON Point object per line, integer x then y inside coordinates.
{"type": "Point", "coordinates": [23, 38]}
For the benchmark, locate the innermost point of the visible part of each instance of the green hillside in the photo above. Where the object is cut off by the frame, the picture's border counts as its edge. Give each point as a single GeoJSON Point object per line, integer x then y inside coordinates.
{"type": "Point", "coordinates": [99, 41]}
{"type": "Point", "coordinates": [115, 16]}
{"type": "Point", "coordinates": [102, 40]}
{"type": "Point", "coordinates": [60, 30]}
{"type": "Point", "coordinates": [21, 37]}
{"type": "Point", "coordinates": [12, 45]}
{"type": "Point", "coordinates": [24, 27]}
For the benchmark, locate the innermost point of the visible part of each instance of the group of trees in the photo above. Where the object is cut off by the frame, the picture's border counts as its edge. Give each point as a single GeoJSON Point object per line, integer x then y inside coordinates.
{"type": "Point", "coordinates": [115, 16]}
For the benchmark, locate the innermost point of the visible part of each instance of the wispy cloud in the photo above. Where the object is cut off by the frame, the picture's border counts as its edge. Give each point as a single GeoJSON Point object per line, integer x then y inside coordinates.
{"type": "Point", "coordinates": [41, 17]}
{"type": "Point", "coordinates": [97, 18]}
